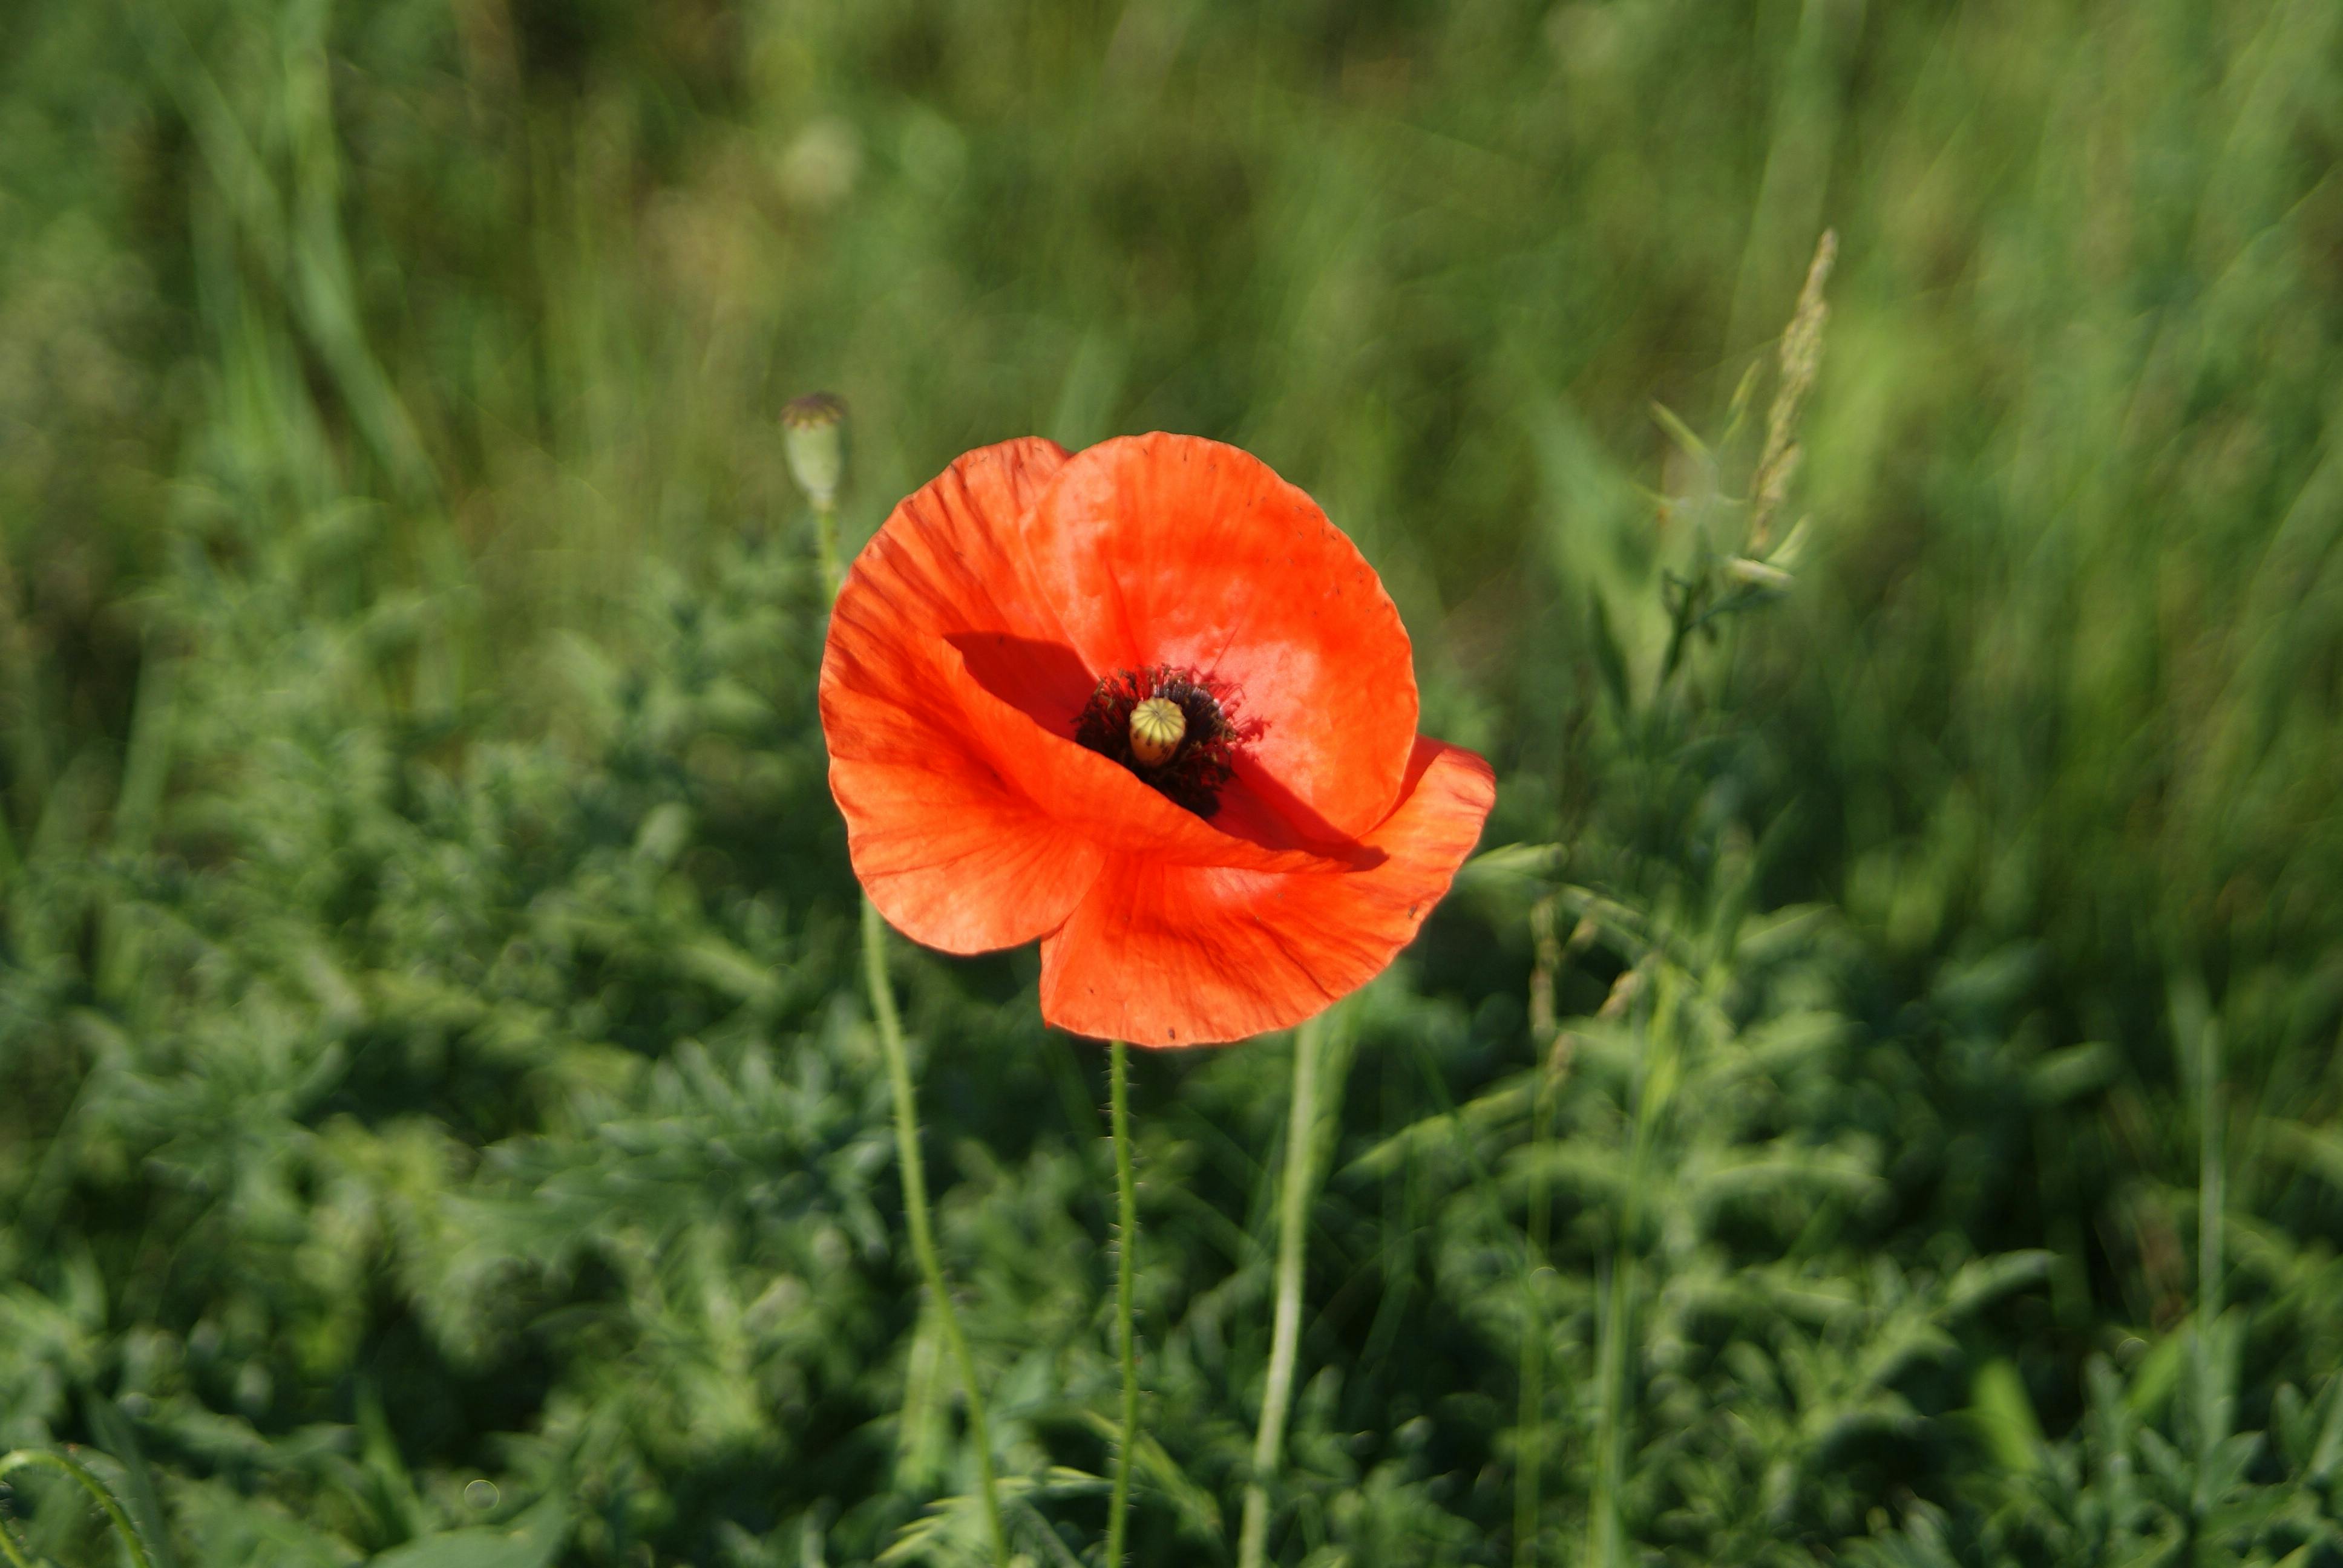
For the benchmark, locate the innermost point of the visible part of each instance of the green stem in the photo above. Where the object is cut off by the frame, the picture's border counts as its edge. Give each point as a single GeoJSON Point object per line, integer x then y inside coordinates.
{"type": "Point", "coordinates": [1127, 1211]}
{"type": "Point", "coordinates": [42, 1458]}
{"type": "Point", "coordinates": [825, 528]}
{"type": "Point", "coordinates": [1285, 1323]}
{"type": "Point", "coordinates": [1605, 1526]}
{"type": "Point", "coordinates": [2211, 1198]}
{"type": "Point", "coordinates": [1649, 1092]}
{"type": "Point", "coordinates": [2213, 1404]}
{"type": "Point", "coordinates": [915, 1208]}
{"type": "Point", "coordinates": [907, 1129]}
{"type": "Point", "coordinates": [1530, 1421]}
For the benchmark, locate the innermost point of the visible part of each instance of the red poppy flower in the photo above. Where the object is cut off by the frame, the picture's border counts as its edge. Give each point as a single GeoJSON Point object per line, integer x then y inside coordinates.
{"type": "Point", "coordinates": [1146, 704]}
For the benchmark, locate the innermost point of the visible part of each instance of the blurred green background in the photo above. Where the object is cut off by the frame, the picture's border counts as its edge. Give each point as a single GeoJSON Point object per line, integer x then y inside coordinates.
{"type": "Point", "coordinates": [1889, 1115]}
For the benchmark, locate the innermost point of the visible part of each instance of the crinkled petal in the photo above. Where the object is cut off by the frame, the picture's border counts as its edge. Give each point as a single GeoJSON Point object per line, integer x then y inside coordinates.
{"type": "Point", "coordinates": [972, 818]}
{"type": "Point", "coordinates": [953, 855]}
{"type": "Point", "coordinates": [1170, 549]}
{"type": "Point", "coordinates": [954, 861]}
{"type": "Point", "coordinates": [1166, 955]}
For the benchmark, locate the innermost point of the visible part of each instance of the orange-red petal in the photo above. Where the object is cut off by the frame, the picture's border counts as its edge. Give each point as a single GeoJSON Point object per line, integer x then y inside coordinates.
{"type": "Point", "coordinates": [1166, 955]}
{"type": "Point", "coordinates": [949, 559]}
{"type": "Point", "coordinates": [952, 854]}
{"type": "Point", "coordinates": [972, 819]}
{"type": "Point", "coordinates": [954, 861]}
{"type": "Point", "coordinates": [1170, 549]}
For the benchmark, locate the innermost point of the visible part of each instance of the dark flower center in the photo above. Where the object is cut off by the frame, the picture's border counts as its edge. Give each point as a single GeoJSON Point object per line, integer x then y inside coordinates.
{"type": "Point", "coordinates": [1169, 727]}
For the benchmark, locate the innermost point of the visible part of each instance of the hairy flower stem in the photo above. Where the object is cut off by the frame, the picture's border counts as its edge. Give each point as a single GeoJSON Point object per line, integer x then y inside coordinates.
{"type": "Point", "coordinates": [1127, 1216]}
{"type": "Point", "coordinates": [825, 528]}
{"type": "Point", "coordinates": [915, 1209]}
{"type": "Point", "coordinates": [907, 1127]}
{"type": "Point", "coordinates": [1285, 1324]}
{"type": "Point", "coordinates": [101, 1493]}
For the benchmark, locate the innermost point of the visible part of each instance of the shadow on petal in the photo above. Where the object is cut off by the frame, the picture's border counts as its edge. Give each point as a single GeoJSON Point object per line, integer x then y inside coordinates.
{"type": "Point", "coordinates": [1049, 683]}
{"type": "Point", "coordinates": [1046, 681]}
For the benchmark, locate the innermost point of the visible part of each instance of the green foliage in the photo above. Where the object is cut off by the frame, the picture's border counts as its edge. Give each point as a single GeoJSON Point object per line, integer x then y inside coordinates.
{"type": "Point", "coordinates": [1876, 1102]}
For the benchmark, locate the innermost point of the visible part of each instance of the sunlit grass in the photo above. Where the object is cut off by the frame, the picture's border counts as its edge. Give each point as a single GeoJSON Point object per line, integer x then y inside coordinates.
{"type": "Point", "coordinates": [440, 1106]}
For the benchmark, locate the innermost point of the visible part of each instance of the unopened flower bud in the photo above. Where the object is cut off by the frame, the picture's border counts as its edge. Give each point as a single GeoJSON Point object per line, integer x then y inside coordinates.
{"type": "Point", "coordinates": [811, 432]}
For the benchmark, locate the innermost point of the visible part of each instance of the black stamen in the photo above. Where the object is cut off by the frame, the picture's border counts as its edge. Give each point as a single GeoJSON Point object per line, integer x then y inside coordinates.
{"type": "Point", "coordinates": [1192, 776]}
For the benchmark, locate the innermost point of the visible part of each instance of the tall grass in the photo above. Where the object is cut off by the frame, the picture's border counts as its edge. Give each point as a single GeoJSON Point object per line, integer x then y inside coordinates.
{"type": "Point", "coordinates": [1886, 1109]}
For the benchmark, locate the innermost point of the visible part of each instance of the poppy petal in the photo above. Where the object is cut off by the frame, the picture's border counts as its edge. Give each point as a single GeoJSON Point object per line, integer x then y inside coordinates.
{"type": "Point", "coordinates": [954, 864]}
{"type": "Point", "coordinates": [1171, 549]}
{"type": "Point", "coordinates": [1164, 955]}
{"type": "Point", "coordinates": [1093, 797]}
{"type": "Point", "coordinates": [953, 856]}
{"type": "Point", "coordinates": [971, 823]}
{"type": "Point", "coordinates": [950, 558]}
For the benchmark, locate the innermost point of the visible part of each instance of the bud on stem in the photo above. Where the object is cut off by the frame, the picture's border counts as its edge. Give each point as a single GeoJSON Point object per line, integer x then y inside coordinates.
{"type": "Point", "coordinates": [812, 427]}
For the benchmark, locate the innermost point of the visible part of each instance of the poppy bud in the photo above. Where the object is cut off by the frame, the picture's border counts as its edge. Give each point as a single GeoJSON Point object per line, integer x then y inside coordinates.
{"type": "Point", "coordinates": [1157, 727]}
{"type": "Point", "coordinates": [810, 432]}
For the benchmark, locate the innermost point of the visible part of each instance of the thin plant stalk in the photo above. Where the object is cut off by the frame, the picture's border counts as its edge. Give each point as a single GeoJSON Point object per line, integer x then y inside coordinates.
{"type": "Point", "coordinates": [1285, 1324]}
{"type": "Point", "coordinates": [2213, 1403]}
{"type": "Point", "coordinates": [2210, 1197]}
{"type": "Point", "coordinates": [1126, 1220]}
{"type": "Point", "coordinates": [833, 570]}
{"type": "Point", "coordinates": [101, 1493]}
{"type": "Point", "coordinates": [1530, 1417]}
{"type": "Point", "coordinates": [1651, 1089]}
{"type": "Point", "coordinates": [915, 1209]}
{"type": "Point", "coordinates": [907, 1138]}
{"type": "Point", "coordinates": [1604, 1523]}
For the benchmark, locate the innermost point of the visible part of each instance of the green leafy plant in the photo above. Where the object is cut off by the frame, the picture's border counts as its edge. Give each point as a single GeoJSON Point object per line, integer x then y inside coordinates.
{"type": "Point", "coordinates": [1884, 1109]}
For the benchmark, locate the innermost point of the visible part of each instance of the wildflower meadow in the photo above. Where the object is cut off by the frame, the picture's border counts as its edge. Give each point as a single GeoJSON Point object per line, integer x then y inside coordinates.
{"type": "Point", "coordinates": [806, 782]}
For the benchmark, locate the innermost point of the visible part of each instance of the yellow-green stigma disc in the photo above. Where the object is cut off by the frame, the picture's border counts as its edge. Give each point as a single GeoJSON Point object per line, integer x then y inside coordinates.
{"type": "Point", "coordinates": [1157, 727]}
